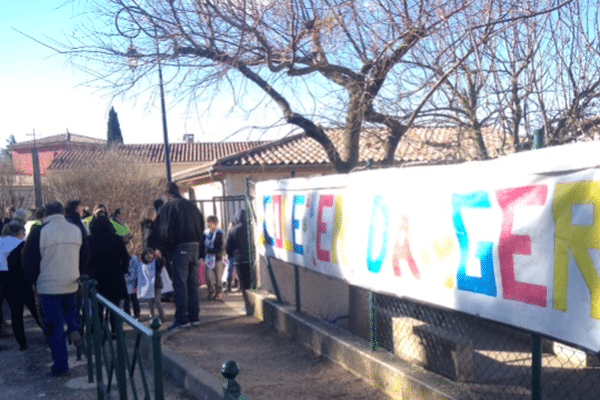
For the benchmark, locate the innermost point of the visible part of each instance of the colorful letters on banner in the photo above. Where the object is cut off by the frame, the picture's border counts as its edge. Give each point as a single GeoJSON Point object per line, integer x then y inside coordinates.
{"type": "Point", "coordinates": [489, 250]}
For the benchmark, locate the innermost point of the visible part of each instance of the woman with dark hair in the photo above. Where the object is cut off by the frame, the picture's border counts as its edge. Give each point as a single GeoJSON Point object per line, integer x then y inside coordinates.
{"type": "Point", "coordinates": [121, 227]}
{"type": "Point", "coordinates": [15, 288]}
{"type": "Point", "coordinates": [151, 243]}
{"type": "Point", "coordinates": [109, 260]}
{"type": "Point", "coordinates": [148, 224]}
{"type": "Point", "coordinates": [99, 210]}
{"type": "Point", "coordinates": [73, 214]}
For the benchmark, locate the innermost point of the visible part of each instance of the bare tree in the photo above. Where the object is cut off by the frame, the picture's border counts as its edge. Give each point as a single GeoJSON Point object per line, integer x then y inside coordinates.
{"type": "Point", "coordinates": [112, 179]}
{"type": "Point", "coordinates": [10, 193]}
{"type": "Point", "coordinates": [569, 104]}
{"type": "Point", "coordinates": [348, 64]}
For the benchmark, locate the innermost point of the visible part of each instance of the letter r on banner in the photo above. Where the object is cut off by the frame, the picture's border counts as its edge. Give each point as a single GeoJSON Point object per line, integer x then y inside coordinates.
{"type": "Point", "coordinates": [575, 238]}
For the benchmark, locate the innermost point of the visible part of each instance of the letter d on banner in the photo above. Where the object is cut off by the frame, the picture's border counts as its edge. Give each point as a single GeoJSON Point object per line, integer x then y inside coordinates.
{"type": "Point", "coordinates": [378, 234]}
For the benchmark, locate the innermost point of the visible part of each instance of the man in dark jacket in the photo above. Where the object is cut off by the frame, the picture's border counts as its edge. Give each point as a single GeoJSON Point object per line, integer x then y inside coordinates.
{"type": "Point", "coordinates": [238, 250]}
{"type": "Point", "coordinates": [181, 235]}
{"type": "Point", "coordinates": [73, 214]}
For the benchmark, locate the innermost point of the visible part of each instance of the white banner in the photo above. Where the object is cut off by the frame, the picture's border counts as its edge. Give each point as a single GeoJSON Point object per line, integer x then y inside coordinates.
{"type": "Point", "coordinates": [516, 240]}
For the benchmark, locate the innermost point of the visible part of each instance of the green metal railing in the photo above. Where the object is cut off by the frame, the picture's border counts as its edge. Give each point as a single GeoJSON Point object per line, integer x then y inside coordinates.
{"type": "Point", "coordinates": [107, 349]}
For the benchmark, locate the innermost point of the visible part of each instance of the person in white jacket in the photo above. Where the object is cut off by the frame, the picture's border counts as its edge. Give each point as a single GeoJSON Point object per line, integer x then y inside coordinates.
{"type": "Point", "coordinates": [51, 260]}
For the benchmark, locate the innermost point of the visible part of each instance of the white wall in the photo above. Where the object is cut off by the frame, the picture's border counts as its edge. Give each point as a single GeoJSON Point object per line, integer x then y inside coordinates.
{"type": "Point", "coordinates": [208, 191]}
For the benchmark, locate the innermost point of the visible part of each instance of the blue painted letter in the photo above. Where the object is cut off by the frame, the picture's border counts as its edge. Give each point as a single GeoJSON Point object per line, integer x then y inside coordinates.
{"type": "Point", "coordinates": [299, 201]}
{"type": "Point", "coordinates": [268, 238]}
{"type": "Point", "coordinates": [486, 284]}
{"type": "Point", "coordinates": [374, 263]}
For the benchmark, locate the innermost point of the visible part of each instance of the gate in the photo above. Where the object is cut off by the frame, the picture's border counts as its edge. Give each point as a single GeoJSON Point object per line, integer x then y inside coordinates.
{"type": "Point", "coordinates": [223, 207]}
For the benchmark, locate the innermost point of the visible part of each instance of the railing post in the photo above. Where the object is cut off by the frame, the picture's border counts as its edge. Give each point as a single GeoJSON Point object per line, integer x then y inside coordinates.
{"type": "Point", "coordinates": [297, 280]}
{"type": "Point", "coordinates": [87, 326]}
{"type": "Point", "coordinates": [250, 223]}
{"type": "Point", "coordinates": [157, 360]}
{"type": "Point", "coordinates": [232, 389]}
{"type": "Point", "coordinates": [536, 367]}
{"type": "Point", "coordinates": [121, 367]}
{"type": "Point", "coordinates": [273, 280]}
{"type": "Point", "coordinates": [97, 337]}
{"type": "Point", "coordinates": [372, 321]}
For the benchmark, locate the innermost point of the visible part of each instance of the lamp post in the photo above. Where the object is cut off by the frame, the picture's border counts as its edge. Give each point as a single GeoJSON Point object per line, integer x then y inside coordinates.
{"type": "Point", "coordinates": [132, 61]}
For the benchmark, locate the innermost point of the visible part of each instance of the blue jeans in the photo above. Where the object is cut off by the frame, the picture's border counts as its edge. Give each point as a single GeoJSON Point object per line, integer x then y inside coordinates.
{"type": "Point", "coordinates": [229, 269]}
{"type": "Point", "coordinates": [58, 310]}
{"type": "Point", "coordinates": [185, 283]}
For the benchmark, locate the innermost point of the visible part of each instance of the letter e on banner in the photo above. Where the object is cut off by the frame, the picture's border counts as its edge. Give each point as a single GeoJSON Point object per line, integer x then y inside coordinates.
{"type": "Point", "coordinates": [511, 244]}
{"type": "Point", "coordinates": [322, 228]}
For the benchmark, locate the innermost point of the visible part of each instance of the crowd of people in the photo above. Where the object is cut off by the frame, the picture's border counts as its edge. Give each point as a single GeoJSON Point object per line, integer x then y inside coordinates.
{"type": "Point", "coordinates": [43, 258]}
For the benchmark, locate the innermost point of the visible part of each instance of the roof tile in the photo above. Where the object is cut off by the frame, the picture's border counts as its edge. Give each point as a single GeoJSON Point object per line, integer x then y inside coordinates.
{"type": "Point", "coordinates": [154, 153]}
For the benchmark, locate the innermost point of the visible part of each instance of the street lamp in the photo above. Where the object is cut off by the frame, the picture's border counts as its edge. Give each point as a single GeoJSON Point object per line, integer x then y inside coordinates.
{"type": "Point", "coordinates": [132, 57]}
{"type": "Point", "coordinates": [132, 61]}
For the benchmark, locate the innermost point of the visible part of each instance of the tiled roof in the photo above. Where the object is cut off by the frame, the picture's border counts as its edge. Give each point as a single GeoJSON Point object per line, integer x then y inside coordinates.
{"type": "Point", "coordinates": [420, 144]}
{"type": "Point", "coordinates": [154, 153]}
{"type": "Point", "coordinates": [60, 139]}
{"type": "Point", "coordinates": [427, 145]}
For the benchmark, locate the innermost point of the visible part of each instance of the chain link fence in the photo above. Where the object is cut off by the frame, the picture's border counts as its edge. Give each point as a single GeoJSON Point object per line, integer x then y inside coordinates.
{"type": "Point", "coordinates": [488, 360]}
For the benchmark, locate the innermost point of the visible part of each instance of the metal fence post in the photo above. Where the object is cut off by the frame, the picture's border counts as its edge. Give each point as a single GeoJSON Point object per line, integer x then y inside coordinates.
{"type": "Point", "coordinates": [297, 280]}
{"type": "Point", "coordinates": [97, 331]}
{"type": "Point", "coordinates": [273, 280]}
{"type": "Point", "coordinates": [157, 359]}
{"type": "Point", "coordinates": [231, 388]}
{"type": "Point", "coordinates": [372, 321]}
{"type": "Point", "coordinates": [121, 367]}
{"type": "Point", "coordinates": [536, 367]}
{"type": "Point", "coordinates": [87, 326]}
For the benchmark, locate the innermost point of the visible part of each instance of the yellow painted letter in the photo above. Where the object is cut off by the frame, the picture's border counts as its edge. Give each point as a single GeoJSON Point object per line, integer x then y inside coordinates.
{"type": "Point", "coordinates": [570, 237]}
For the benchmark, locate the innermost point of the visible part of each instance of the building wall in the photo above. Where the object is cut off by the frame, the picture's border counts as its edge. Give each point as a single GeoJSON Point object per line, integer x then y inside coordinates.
{"type": "Point", "coordinates": [235, 183]}
{"type": "Point", "coordinates": [23, 162]}
{"type": "Point", "coordinates": [208, 191]}
{"type": "Point", "coordinates": [160, 169]}
{"type": "Point", "coordinates": [321, 296]}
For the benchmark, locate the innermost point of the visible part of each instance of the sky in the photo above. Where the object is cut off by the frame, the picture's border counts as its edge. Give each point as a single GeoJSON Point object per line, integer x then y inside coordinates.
{"type": "Point", "coordinates": [42, 93]}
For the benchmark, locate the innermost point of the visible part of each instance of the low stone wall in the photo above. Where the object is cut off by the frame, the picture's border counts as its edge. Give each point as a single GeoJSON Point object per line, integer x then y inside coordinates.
{"type": "Point", "coordinates": [396, 377]}
{"type": "Point", "coordinates": [426, 345]}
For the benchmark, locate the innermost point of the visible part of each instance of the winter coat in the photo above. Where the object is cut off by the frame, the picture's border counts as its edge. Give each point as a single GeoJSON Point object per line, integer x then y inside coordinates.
{"type": "Point", "coordinates": [213, 243]}
{"type": "Point", "coordinates": [109, 262]}
{"type": "Point", "coordinates": [52, 255]}
{"type": "Point", "coordinates": [15, 283]}
{"type": "Point", "coordinates": [180, 221]}
{"type": "Point", "coordinates": [85, 242]}
{"type": "Point", "coordinates": [237, 239]}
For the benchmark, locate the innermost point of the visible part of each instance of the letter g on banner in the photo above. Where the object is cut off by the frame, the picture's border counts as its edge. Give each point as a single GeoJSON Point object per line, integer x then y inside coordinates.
{"type": "Point", "coordinates": [486, 284]}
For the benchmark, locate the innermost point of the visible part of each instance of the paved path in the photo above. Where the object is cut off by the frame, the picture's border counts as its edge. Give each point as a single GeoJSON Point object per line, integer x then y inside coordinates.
{"type": "Point", "coordinates": [23, 374]}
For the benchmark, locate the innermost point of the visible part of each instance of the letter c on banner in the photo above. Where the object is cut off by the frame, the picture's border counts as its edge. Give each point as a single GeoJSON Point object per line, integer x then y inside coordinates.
{"type": "Point", "coordinates": [374, 262]}
{"type": "Point", "coordinates": [266, 201]}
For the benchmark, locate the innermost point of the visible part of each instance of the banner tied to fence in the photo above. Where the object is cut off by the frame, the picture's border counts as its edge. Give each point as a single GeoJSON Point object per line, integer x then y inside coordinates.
{"type": "Point", "coordinates": [515, 240]}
